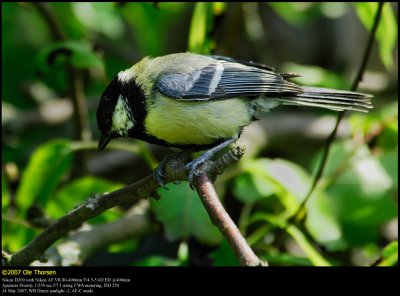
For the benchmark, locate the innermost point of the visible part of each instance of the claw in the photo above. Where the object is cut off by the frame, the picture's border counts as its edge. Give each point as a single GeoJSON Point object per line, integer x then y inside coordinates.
{"type": "Point", "coordinates": [159, 173]}
{"type": "Point", "coordinates": [192, 168]}
{"type": "Point", "coordinates": [159, 176]}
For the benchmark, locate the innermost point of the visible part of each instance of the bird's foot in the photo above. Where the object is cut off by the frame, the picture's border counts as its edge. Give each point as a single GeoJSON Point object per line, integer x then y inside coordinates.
{"type": "Point", "coordinates": [193, 168]}
{"type": "Point", "coordinates": [159, 174]}
{"type": "Point", "coordinates": [160, 171]}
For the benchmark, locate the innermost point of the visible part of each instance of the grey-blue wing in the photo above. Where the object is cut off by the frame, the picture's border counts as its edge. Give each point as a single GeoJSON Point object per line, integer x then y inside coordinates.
{"type": "Point", "coordinates": [222, 79]}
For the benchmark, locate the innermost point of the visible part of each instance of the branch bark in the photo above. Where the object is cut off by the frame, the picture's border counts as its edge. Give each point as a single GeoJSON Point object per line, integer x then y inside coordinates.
{"type": "Point", "coordinates": [97, 204]}
{"type": "Point", "coordinates": [221, 219]}
{"type": "Point", "coordinates": [79, 246]}
{"type": "Point", "coordinates": [91, 208]}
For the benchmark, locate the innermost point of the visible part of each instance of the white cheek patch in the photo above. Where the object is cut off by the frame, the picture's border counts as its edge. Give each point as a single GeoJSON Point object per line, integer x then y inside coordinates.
{"type": "Point", "coordinates": [122, 119]}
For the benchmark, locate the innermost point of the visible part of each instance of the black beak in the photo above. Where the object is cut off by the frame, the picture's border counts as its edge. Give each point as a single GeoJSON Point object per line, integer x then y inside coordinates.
{"type": "Point", "coordinates": [104, 139]}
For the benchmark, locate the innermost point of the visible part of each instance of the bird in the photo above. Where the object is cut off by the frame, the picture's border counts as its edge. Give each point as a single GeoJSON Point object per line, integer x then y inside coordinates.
{"type": "Point", "coordinates": [199, 102]}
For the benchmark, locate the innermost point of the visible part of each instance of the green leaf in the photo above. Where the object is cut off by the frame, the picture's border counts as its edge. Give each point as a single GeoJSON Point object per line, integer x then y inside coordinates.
{"type": "Point", "coordinates": [293, 178]}
{"type": "Point", "coordinates": [390, 162]}
{"type": "Point", "coordinates": [312, 254]}
{"type": "Point", "coordinates": [390, 254]}
{"type": "Point", "coordinates": [47, 165]}
{"type": "Point", "coordinates": [152, 26]}
{"type": "Point", "coordinates": [183, 215]}
{"type": "Point", "coordinates": [386, 34]}
{"type": "Point", "coordinates": [389, 138]}
{"type": "Point", "coordinates": [250, 188]}
{"type": "Point", "coordinates": [5, 194]}
{"type": "Point", "coordinates": [383, 124]}
{"type": "Point", "coordinates": [15, 232]}
{"type": "Point", "coordinates": [183, 252]}
{"type": "Point", "coordinates": [322, 222]}
{"type": "Point", "coordinates": [199, 40]}
{"type": "Point", "coordinates": [5, 206]}
{"type": "Point", "coordinates": [275, 220]}
{"type": "Point", "coordinates": [224, 256]}
{"type": "Point", "coordinates": [69, 22]}
{"type": "Point", "coordinates": [361, 189]}
{"type": "Point", "coordinates": [23, 33]}
{"type": "Point", "coordinates": [285, 179]}
{"type": "Point", "coordinates": [219, 8]}
{"type": "Point", "coordinates": [127, 246]}
{"type": "Point", "coordinates": [278, 220]}
{"type": "Point", "coordinates": [20, 236]}
{"type": "Point", "coordinates": [101, 17]}
{"type": "Point", "coordinates": [78, 192]}
{"type": "Point", "coordinates": [77, 53]}
{"type": "Point", "coordinates": [284, 259]}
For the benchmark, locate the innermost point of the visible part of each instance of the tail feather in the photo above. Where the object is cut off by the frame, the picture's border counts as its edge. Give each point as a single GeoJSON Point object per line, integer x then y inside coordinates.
{"type": "Point", "coordinates": [337, 100]}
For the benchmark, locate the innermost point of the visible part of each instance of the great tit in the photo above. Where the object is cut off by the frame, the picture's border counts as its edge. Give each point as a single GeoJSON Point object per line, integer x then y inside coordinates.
{"type": "Point", "coordinates": [197, 102]}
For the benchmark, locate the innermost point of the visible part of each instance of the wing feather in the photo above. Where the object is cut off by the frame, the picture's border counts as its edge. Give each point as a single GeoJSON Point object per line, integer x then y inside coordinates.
{"type": "Point", "coordinates": [221, 78]}
{"type": "Point", "coordinates": [224, 78]}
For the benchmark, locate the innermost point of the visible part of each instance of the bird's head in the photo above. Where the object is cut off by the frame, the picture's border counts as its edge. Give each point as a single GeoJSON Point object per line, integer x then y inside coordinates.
{"type": "Point", "coordinates": [114, 113]}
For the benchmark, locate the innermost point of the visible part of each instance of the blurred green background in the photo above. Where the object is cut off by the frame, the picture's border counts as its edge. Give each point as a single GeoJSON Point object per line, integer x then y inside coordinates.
{"type": "Point", "coordinates": [57, 58]}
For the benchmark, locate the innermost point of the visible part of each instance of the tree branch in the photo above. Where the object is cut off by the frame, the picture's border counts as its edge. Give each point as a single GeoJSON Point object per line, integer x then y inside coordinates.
{"type": "Point", "coordinates": [97, 204]}
{"type": "Point", "coordinates": [332, 136]}
{"type": "Point", "coordinates": [221, 219]}
{"type": "Point", "coordinates": [81, 245]}
{"type": "Point", "coordinates": [91, 208]}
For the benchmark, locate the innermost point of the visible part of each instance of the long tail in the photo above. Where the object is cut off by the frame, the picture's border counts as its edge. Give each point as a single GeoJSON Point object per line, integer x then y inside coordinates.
{"type": "Point", "coordinates": [337, 100]}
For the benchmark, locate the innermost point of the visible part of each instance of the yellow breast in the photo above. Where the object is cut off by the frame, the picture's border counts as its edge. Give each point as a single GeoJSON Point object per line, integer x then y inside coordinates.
{"type": "Point", "coordinates": [201, 123]}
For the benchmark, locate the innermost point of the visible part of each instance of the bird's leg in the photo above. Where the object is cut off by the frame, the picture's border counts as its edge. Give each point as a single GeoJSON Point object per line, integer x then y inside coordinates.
{"type": "Point", "coordinates": [159, 172]}
{"type": "Point", "coordinates": [192, 167]}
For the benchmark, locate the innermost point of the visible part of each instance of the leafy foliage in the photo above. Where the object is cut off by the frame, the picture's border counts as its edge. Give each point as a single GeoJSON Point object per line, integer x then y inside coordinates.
{"type": "Point", "coordinates": [44, 171]}
{"type": "Point", "coordinates": [390, 254]}
{"type": "Point", "coordinates": [76, 53]}
{"type": "Point", "coordinates": [78, 191]}
{"type": "Point", "coordinates": [387, 30]}
{"type": "Point", "coordinates": [183, 215]}
{"type": "Point", "coordinates": [348, 217]}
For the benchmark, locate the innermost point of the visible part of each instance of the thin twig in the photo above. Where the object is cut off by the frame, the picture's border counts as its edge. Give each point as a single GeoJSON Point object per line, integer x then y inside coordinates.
{"type": "Point", "coordinates": [51, 20]}
{"type": "Point", "coordinates": [75, 86]}
{"type": "Point", "coordinates": [77, 94]}
{"type": "Point", "coordinates": [221, 219]}
{"type": "Point", "coordinates": [331, 138]}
